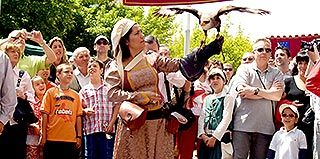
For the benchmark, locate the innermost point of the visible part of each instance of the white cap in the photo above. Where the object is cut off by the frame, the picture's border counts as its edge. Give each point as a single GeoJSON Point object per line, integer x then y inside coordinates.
{"type": "Point", "coordinates": [292, 107]}
{"type": "Point", "coordinates": [101, 37]}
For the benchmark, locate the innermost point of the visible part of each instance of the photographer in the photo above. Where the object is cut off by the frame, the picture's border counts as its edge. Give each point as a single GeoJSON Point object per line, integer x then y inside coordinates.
{"type": "Point", "coordinates": [313, 85]}
{"type": "Point", "coordinates": [31, 64]}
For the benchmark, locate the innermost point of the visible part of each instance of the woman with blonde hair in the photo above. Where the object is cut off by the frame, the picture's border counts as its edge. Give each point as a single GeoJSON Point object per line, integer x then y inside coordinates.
{"type": "Point", "coordinates": [57, 45]}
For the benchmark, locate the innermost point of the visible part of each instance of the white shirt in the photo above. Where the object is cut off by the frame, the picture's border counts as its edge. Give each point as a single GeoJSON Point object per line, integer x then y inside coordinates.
{"type": "Point", "coordinates": [315, 103]}
{"type": "Point", "coordinates": [83, 80]}
{"type": "Point", "coordinates": [287, 144]}
{"type": "Point", "coordinates": [174, 78]}
{"type": "Point", "coordinates": [25, 84]}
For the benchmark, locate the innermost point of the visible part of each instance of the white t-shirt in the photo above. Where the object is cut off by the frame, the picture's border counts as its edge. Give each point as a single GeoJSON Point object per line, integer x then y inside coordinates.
{"type": "Point", "coordinates": [287, 144]}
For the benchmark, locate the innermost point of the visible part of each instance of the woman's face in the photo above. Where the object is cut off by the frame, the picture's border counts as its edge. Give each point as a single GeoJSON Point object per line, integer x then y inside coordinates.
{"type": "Point", "coordinates": [136, 40]}
{"type": "Point", "coordinates": [39, 86]}
{"type": "Point", "coordinates": [14, 56]}
{"type": "Point", "coordinates": [44, 73]}
{"type": "Point", "coordinates": [94, 69]}
{"type": "Point", "coordinates": [57, 49]}
{"type": "Point", "coordinates": [302, 67]}
{"type": "Point", "coordinates": [216, 83]}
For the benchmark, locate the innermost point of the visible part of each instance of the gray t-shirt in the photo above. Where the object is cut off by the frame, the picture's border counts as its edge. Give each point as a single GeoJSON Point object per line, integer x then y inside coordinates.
{"type": "Point", "coordinates": [255, 115]}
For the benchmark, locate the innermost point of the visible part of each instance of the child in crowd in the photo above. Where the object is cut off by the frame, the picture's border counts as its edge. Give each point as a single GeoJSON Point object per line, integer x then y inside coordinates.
{"type": "Point", "coordinates": [33, 135]}
{"type": "Point", "coordinates": [100, 115]}
{"type": "Point", "coordinates": [288, 142]}
{"type": "Point", "coordinates": [215, 118]}
{"type": "Point", "coordinates": [44, 74]}
{"type": "Point", "coordinates": [61, 118]}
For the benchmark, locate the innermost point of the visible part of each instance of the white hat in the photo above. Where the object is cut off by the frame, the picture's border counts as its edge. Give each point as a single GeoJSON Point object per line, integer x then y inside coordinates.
{"type": "Point", "coordinates": [292, 107]}
{"type": "Point", "coordinates": [119, 30]}
{"type": "Point", "coordinates": [101, 37]}
{"type": "Point", "coordinates": [217, 71]}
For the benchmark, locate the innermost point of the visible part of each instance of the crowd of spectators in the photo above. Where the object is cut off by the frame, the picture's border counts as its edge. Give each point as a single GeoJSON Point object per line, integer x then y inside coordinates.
{"type": "Point", "coordinates": [253, 112]}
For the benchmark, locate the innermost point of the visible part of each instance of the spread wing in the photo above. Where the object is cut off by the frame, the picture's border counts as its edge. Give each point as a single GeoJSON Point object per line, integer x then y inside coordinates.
{"type": "Point", "coordinates": [227, 9]}
{"type": "Point", "coordinates": [167, 12]}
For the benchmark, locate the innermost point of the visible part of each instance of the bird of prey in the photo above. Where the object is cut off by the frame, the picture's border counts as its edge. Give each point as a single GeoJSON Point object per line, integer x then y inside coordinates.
{"type": "Point", "coordinates": [207, 20]}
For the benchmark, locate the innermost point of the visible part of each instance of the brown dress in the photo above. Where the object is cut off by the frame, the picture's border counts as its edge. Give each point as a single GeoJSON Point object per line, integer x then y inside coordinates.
{"type": "Point", "coordinates": [151, 141]}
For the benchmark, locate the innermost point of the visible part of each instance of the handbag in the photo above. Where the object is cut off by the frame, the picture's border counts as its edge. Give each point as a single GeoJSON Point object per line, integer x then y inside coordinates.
{"type": "Point", "coordinates": [23, 113]}
{"type": "Point", "coordinates": [176, 115]}
{"type": "Point", "coordinates": [132, 115]}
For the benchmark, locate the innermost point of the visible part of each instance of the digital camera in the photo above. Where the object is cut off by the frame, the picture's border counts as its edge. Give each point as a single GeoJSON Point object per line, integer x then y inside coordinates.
{"type": "Point", "coordinates": [309, 45]}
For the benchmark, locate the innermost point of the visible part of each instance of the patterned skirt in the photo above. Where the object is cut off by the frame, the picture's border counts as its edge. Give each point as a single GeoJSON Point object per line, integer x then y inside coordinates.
{"type": "Point", "coordinates": [151, 141]}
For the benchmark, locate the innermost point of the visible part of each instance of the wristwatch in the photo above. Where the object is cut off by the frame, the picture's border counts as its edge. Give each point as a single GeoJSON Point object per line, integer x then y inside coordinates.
{"type": "Point", "coordinates": [256, 91]}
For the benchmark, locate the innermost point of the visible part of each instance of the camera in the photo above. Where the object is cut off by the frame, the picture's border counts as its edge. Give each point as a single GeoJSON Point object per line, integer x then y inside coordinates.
{"type": "Point", "coordinates": [29, 35]}
{"type": "Point", "coordinates": [309, 45]}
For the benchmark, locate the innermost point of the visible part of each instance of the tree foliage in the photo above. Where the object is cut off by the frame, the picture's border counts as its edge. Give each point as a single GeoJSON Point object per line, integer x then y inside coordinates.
{"type": "Point", "coordinates": [78, 22]}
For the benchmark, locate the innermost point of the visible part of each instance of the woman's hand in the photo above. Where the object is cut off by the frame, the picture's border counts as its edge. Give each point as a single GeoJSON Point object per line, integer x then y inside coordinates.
{"type": "Point", "coordinates": [37, 37]}
{"type": "Point", "coordinates": [21, 94]}
{"type": "Point", "coordinates": [211, 142]}
{"type": "Point", "coordinates": [108, 128]}
{"type": "Point", "coordinates": [35, 128]}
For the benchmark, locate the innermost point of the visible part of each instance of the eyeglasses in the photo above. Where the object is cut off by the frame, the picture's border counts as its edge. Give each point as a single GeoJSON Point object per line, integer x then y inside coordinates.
{"type": "Point", "coordinates": [248, 59]}
{"type": "Point", "coordinates": [104, 42]}
{"type": "Point", "coordinates": [267, 50]}
{"type": "Point", "coordinates": [227, 69]}
{"type": "Point", "coordinates": [288, 115]}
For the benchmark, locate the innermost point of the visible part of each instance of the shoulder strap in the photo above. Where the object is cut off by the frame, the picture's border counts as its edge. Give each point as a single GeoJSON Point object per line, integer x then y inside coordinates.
{"type": "Point", "coordinates": [272, 105]}
{"type": "Point", "coordinates": [260, 80]}
{"type": "Point", "coordinates": [21, 73]}
{"type": "Point", "coordinates": [166, 82]}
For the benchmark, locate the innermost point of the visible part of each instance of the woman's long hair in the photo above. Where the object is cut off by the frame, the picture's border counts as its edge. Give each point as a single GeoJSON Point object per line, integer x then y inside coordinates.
{"type": "Point", "coordinates": [123, 45]}
{"type": "Point", "coordinates": [64, 56]}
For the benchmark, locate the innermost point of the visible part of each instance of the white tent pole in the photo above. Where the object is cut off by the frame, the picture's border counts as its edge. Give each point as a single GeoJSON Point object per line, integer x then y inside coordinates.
{"type": "Point", "coordinates": [187, 37]}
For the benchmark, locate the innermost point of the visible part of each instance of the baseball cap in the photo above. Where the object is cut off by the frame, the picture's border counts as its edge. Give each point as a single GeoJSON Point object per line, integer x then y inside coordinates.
{"type": "Point", "coordinates": [292, 107]}
{"type": "Point", "coordinates": [101, 37]}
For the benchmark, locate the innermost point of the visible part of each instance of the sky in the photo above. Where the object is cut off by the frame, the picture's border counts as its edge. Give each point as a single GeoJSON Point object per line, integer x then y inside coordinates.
{"type": "Point", "coordinates": [288, 17]}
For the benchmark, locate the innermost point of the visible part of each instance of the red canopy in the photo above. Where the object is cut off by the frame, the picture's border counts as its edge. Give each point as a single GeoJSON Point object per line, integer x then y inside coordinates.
{"type": "Point", "coordinates": [166, 2]}
{"type": "Point", "coordinates": [293, 43]}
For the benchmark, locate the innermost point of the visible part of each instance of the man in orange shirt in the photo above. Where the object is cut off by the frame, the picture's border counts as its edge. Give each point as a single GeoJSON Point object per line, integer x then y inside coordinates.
{"type": "Point", "coordinates": [61, 118]}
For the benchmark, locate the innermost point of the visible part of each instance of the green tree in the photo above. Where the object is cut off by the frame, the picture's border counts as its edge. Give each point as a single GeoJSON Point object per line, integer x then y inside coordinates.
{"type": "Point", "coordinates": [78, 22]}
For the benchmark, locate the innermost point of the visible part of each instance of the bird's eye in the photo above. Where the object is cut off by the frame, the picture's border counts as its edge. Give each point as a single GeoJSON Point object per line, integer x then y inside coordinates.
{"type": "Point", "coordinates": [206, 22]}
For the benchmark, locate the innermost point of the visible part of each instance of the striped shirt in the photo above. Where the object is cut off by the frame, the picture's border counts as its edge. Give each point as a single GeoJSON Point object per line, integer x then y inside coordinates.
{"type": "Point", "coordinates": [96, 98]}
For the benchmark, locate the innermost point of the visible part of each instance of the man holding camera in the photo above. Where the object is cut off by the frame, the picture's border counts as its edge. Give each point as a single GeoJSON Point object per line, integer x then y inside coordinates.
{"type": "Point", "coordinates": [313, 85]}
{"type": "Point", "coordinates": [258, 86]}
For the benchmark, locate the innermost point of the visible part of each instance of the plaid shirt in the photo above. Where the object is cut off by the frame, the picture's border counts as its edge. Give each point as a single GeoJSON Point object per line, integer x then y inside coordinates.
{"type": "Point", "coordinates": [97, 99]}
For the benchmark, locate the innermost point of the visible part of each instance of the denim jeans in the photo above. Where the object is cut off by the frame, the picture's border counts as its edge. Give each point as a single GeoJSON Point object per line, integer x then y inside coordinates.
{"type": "Point", "coordinates": [97, 146]}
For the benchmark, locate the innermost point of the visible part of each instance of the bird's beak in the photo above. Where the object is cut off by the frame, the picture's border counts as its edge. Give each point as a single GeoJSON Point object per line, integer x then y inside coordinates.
{"type": "Point", "coordinates": [202, 24]}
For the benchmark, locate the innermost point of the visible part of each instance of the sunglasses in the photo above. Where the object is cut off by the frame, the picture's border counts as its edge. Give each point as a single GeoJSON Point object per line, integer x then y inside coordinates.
{"type": "Point", "coordinates": [267, 50]}
{"type": "Point", "coordinates": [248, 59]}
{"type": "Point", "coordinates": [104, 42]}
{"type": "Point", "coordinates": [227, 69]}
{"type": "Point", "coordinates": [288, 115]}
